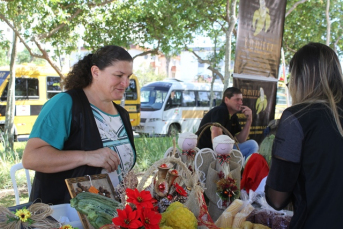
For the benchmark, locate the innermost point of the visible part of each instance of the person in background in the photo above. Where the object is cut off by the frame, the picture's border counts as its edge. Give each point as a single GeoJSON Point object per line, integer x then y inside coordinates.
{"type": "Point", "coordinates": [307, 158]}
{"type": "Point", "coordinates": [170, 100]}
{"type": "Point", "coordinates": [81, 131]}
{"type": "Point", "coordinates": [226, 115]}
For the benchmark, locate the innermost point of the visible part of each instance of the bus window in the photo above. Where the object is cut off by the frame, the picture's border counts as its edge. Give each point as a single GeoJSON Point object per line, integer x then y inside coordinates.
{"type": "Point", "coordinates": [25, 88]}
{"type": "Point", "coordinates": [131, 91]}
{"type": "Point", "coordinates": [53, 86]}
{"type": "Point", "coordinates": [188, 99]}
{"type": "Point", "coordinates": [217, 98]}
{"type": "Point", "coordinates": [174, 100]}
{"type": "Point", "coordinates": [203, 98]}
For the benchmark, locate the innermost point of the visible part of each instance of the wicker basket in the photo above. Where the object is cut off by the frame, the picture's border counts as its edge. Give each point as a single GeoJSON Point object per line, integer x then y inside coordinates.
{"type": "Point", "coordinates": [216, 124]}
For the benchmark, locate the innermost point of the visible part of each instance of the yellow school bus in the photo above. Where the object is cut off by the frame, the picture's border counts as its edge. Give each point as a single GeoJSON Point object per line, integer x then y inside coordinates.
{"type": "Point", "coordinates": [34, 86]}
{"type": "Point", "coordinates": [281, 100]}
{"type": "Point", "coordinates": [132, 101]}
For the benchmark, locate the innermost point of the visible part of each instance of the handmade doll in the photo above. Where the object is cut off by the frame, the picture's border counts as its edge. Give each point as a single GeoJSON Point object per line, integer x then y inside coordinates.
{"type": "Point", "coordinates": [187, 143]}
{"type": "Point", "coordinates": [223, 146]}
{"type": "Point", "coordinates": [220, 172]}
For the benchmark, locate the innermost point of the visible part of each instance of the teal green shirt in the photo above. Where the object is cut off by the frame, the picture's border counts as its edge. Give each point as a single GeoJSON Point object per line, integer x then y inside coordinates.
{"type": "Point", "coordinates": [53, 122]}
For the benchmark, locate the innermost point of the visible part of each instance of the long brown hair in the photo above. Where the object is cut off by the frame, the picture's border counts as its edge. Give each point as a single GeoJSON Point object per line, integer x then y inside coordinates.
{"type": "Point", "coordinates": [316, 77]}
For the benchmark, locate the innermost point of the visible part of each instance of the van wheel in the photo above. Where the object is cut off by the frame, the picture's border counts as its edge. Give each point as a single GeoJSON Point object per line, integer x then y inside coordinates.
{"type": "Point", "coordinates": [173, 130]}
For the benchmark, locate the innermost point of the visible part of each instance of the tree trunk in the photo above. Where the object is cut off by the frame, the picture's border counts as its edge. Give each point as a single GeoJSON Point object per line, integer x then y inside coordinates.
{"type": "Point", "coordinates": [213, 75]}
{"type": "Point", "coordinates": [167, 66]}
{"type": "Point", "coordinates": [9, 126]}
{"type": "Point", "coordinates": [328, 23]}
{"type": "Point", "coordinates": [231, 19]}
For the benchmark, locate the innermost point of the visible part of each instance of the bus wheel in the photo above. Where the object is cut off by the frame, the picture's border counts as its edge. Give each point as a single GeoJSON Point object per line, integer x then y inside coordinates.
{"type": "Point", "coordinates": [173, 130]}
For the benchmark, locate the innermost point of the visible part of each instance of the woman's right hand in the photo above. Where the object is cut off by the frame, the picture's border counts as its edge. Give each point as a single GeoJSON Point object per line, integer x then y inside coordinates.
{"type": "Point", "coordinates": [104, 157]}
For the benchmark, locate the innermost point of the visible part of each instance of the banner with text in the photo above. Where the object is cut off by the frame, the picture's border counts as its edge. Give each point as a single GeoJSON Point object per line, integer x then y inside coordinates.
{"type": "Point", "coordinates": [260, 97]}
{"type": "Point", "coordinates": [258, 51]}
{"type": "Point", "coordinates": [259, 38]}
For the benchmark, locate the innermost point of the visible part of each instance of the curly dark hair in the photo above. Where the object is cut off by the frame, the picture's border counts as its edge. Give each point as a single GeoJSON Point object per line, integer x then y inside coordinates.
{"type": "Point", "coordinates": [80, 76]}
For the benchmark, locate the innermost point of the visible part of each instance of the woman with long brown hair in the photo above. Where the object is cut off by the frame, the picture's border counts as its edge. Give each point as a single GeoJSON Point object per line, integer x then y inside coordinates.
{"type": "Point", "coordinates": [307, 156]}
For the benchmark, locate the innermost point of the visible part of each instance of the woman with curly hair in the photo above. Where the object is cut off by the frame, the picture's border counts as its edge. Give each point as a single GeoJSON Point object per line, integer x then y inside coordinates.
{"type": "Point", "coordinates": [307, 157]}
{"type": "Point", "coordinates": [82, 131]}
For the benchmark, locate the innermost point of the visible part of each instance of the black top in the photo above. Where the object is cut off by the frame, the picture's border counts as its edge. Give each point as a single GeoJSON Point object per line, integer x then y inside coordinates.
{"type": "Point", "coordinates": [51, 188]}
{"type": "Point", "coordinates": [221, 115]}
{"type": "Point", "coordinates": [307, 166]}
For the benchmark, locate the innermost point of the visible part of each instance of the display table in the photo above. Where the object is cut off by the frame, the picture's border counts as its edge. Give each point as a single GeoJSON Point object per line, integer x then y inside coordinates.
{"type": "Point", "coordinates": [65, 214]}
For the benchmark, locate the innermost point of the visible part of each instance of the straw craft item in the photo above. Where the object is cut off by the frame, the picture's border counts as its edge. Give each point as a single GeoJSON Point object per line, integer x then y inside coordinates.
{"type": "Point", "coordinates": [35, 216]}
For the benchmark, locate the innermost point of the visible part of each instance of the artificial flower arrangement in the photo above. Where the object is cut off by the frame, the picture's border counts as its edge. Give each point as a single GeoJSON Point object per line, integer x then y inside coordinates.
{"type": "Point", "coordinates": [23, 215]}
{"type": "Point", "coordinates": [227, 189]}
{"type": "Point", "coordinates": [139, 211]}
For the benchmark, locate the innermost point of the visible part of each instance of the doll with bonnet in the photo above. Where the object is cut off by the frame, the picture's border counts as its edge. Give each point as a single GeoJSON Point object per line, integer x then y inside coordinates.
{"type": "Point", "coordinates": [221, 164]}
{"type": "Point", "coordinates": [187, 142]}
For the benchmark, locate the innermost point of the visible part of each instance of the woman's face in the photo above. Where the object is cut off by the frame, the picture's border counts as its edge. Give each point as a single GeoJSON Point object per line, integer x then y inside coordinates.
{"type": "Point", "coordinates": [112, 81]}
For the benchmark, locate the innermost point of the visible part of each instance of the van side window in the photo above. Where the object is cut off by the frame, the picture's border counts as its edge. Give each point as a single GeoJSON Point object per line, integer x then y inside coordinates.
{"type": "Point", "coordinates": [188, 99]}
{"type": "Point", "coordinates": [53, 86]}
{"type": "Point", "coordinates": [25, 88]}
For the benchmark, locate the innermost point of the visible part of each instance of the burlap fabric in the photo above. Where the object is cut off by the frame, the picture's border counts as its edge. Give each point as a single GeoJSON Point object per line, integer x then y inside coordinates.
{"type": "Point", "coordinates": [215, 206]}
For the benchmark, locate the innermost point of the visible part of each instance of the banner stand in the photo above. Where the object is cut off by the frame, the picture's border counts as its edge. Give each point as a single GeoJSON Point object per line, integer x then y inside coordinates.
{"type": "Point", "coordinates": [259, 94]}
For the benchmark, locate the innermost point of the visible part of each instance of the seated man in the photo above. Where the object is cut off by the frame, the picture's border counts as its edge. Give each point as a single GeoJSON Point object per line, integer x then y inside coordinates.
{"type": "Point", "coordinates": [226, 115]}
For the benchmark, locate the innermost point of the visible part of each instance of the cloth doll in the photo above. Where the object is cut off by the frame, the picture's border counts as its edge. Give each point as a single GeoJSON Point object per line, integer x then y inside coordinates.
{"type": "Point", "coordinates": [187, 142]}
{"type": "Point", "coordinates": [223, 146]}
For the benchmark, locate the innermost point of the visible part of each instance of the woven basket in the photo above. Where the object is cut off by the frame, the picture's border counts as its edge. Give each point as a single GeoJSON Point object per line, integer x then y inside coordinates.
{"type": "Point", "coordinates": [216, 124]}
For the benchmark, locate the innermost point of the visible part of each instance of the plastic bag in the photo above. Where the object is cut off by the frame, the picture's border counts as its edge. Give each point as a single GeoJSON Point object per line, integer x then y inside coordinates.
{"type": "Point", "coordinates": [268, 216]}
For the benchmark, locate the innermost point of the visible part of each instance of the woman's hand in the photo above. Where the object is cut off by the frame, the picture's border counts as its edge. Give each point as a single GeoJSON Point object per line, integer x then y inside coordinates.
{"type": "Point", "coordinates": [104, 157]}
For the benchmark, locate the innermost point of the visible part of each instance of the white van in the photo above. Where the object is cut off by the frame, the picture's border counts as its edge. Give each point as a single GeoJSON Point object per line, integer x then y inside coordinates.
{"type": "Point", "coordinates": [172, 106]}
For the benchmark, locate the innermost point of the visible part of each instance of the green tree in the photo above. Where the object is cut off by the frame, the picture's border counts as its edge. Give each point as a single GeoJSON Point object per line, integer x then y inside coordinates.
{"type": "Point", "coordinates": [51, 27]}
{"type": "Point", "coordinates": [147, 75]}
{"type": "Point", "coordinates": [4, 48]}
{"type": "Point", "coordinates": [24, 57]}
{"type": "Point", "coordinates": [313, 21]}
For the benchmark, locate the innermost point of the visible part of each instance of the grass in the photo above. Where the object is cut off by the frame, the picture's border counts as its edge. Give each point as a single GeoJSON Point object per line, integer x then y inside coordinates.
{"type": "Point", "coordinates": [149, 150]}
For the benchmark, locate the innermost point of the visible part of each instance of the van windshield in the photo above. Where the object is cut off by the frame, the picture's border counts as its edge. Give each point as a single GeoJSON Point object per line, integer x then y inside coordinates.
{"type": "Point", "coordinates": [153, 97]}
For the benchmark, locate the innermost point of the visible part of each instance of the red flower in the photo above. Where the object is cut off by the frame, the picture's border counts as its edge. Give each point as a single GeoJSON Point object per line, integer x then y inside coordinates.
{"type": "Point", "coordinates": [180, 190]}
{"type": "Point", "coordinates": [140, 199]}
{"type": "Point", "coordinates": [150, 219]}
{"type": "Point", "coordinates": [127, 218]}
